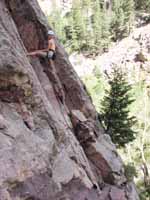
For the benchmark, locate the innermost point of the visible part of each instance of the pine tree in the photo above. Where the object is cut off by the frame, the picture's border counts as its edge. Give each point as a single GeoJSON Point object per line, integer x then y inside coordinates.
{"type": "Point", "coordinates": [105, 33]}
{"type": "Point", "coordinates": [117, 23]}
{"type": "Point", "coordinates": [89, 27]}
{"type": "Point", "coordinates": [128, 9]}
{"type": "Point", "coordinates": [78, 25]}
{"type": "Point", "coordinates": [58, 23]}
{"type": "Point", "coordinates": [142, 5]}
{"type": "Point", "coordinates": [88, 43]}
{"type": "Point", "coordinates": [122, 18]}
{"type": "Point", "coordinates": [97, 24]}
{"type": "Point", "coordinates": [115, 108]}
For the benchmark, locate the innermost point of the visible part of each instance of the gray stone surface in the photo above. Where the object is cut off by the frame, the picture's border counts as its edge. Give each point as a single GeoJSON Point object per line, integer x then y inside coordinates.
{"type": "Point", "coordinates": [40, 156]}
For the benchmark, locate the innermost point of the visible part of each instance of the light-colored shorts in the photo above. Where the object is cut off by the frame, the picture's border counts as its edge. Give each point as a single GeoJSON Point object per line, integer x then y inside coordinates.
{"type": "Point", "coordinates": [50, 54]}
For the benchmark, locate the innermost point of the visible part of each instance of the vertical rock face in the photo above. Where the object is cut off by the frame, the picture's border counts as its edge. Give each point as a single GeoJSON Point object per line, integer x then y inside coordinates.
{"type": "Point", "coordinates": [51, 144]}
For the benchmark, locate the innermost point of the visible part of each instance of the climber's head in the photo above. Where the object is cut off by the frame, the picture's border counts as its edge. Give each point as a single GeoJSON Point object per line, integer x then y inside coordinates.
{"type": "Point", "coordinates": [50, 34]}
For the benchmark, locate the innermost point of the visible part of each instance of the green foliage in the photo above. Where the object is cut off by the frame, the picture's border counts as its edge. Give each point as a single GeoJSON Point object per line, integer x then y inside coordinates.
{"type": "Point", "coordinates": [96, 85]}
{"type": "Point", "coordinates": [140, 109]}
{"type": "Point", "coordinates": [101, 27]}
{"type": "Point", "coordinates": [58, 24]}
{"type": "Point", "coordinates": [133, 152]}
{"type": "Point", "coordinates": [144, 191]}
{"type": "Point", "coordinates": [78, 26]}
{"type": "Point", "coordinates": [89, 27]}
{"type": "Point", "coordinates": [115, 113]}
{"type": "Point", "coordinates": [122, 18]}
{"type": "Point", "coordinates": [130, 171]}
{"type": "Point", "coordinates": [142, 5]}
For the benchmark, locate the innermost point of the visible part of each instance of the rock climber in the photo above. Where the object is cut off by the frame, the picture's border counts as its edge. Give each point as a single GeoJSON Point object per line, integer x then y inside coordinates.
{"type": "Point", "coordinates": [50, 51]}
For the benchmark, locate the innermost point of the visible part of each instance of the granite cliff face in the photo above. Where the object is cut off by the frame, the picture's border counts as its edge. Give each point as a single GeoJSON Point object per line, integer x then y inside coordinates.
{"type": "Point", "coordinates": [51, 144]}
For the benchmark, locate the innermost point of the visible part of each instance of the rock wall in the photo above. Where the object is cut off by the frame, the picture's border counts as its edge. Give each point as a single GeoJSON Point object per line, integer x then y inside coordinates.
{"type": "Point", "coordinates": [51, 144]}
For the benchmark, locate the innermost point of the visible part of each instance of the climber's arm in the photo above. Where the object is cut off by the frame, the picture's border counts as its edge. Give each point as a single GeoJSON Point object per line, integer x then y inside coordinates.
{"type": "Point", "coordinates": [42, 50]}
{"type": "Point", "coordinates": [36, 52]}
